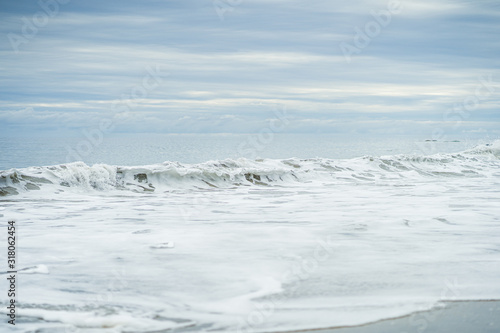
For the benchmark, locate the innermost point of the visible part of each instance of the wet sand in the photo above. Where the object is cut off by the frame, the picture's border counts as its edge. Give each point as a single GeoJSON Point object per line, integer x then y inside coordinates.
{"type": "Point", "coordinates": [456, 317]}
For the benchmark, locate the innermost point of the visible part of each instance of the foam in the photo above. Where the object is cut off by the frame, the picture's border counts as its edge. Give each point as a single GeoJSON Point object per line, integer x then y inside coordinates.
{"type": "Point", "coordinates": [312, 243]}
{"type": "Point", "coordinates": [477, 162]}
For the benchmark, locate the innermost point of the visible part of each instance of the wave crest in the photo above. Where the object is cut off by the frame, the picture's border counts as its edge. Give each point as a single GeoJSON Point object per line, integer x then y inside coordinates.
{"type": "Point", "coordinates": [481, 161]}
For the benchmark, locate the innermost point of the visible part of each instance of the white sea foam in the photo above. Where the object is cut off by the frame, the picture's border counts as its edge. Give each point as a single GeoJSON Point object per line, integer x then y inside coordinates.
{"type": "Point", "coordinates": [38, 269]}
{"type": "Point", "coordinates": [476, 162]}
{"type": "Point", "coordinates": [253, 246]}
{"type": "Point", "coordinates": [94, 320]}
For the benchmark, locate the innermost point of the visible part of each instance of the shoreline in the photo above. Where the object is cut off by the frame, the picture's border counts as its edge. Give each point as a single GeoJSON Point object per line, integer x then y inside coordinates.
{"type": "Point", "coordinates": [458, 316]}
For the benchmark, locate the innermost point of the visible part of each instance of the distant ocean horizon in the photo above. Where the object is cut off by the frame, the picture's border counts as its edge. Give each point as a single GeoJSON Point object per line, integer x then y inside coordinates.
{"type": "Point", "coordinates": [143, 149]}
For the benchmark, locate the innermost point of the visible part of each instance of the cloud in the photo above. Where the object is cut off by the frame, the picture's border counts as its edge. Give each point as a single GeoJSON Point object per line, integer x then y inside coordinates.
{"type": "Point", "coordinates": [225, 75]}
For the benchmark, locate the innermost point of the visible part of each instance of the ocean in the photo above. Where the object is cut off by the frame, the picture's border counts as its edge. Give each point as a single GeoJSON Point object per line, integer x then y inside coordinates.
{"type": "Point", "coordinates": [246, 233]}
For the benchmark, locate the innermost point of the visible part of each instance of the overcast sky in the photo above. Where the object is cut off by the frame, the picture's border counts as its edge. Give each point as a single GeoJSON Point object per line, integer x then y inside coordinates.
{"type": "Point", "coordinates": [224, 66]}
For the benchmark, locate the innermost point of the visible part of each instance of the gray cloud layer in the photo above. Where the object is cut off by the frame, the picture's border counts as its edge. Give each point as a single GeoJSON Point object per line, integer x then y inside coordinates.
{"type": "Point", "coordinates": [79, 62]}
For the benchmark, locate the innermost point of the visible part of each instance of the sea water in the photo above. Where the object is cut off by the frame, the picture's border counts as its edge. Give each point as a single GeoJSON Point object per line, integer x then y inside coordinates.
{"type": "Point", "coordinates": [305, 235]}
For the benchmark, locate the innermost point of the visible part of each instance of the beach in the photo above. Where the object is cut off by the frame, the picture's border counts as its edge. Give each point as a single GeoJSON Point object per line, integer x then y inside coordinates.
{"type": "Point", "coordinates": [457, 317]}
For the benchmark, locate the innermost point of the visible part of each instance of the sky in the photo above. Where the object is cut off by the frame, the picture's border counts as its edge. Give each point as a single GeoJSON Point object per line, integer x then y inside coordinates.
{"type": "Point", "coordinates": [229, 66]}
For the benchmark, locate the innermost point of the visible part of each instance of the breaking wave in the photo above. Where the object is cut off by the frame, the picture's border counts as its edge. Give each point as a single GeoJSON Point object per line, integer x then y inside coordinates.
{"type": "Point", "coordinates": [482, 161]}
